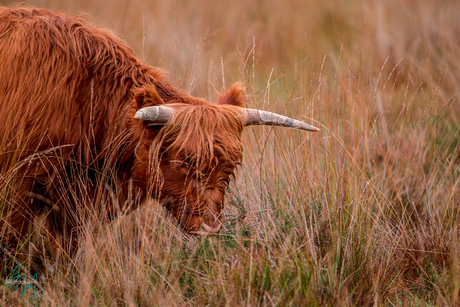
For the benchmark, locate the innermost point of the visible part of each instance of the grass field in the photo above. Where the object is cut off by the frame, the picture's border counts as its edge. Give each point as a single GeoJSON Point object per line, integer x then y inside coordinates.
{"type": "Point", "coordinates": [363, 213]}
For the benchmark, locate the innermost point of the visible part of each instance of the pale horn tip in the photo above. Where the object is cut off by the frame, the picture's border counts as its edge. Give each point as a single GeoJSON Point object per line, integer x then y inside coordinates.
{"type": "Point", "coordinates": [140, 114]}
{"type": "Point", "coordinates": [312, 128]}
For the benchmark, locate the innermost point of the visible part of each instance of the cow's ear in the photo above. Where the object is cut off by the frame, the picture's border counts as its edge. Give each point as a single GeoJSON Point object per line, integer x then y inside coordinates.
{"type": "Point", "coordinates": [147, 96]}
{"type": "Point", "coordinates": [233, 96]}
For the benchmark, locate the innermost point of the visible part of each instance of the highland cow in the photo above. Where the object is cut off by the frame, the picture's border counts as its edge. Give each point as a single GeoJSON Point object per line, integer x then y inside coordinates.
{"type": "Point", "coordinates": [88, 129]}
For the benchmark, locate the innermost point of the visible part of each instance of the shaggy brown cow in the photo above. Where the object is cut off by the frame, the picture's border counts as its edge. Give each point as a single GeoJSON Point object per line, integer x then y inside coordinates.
{"type": "Point", "coordinates": [87, 129]}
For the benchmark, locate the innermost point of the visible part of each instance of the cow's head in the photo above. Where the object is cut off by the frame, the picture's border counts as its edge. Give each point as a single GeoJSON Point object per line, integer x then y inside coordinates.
{"type": "Point", "coordinates": [194, 151]}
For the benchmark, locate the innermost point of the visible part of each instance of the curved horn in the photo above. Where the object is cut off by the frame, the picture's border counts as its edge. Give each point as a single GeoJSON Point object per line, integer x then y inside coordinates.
{"type": "Point", "coordinates": [155, 114]}
{"type": "Point", "coordinates": [258, 117]}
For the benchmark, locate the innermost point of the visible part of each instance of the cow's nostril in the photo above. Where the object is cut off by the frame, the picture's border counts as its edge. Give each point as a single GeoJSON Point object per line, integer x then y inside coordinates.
{"type": "Point", "coordinates": [210, 229]}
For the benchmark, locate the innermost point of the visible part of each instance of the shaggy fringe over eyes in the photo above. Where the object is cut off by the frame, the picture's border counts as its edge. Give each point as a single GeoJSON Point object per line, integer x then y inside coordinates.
{"type": "Point", "coordinates": [202, 134]}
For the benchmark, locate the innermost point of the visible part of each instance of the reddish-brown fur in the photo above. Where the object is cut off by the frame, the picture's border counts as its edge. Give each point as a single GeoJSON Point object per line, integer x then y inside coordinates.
{"type": "Point", "coordinates": [70, 147]}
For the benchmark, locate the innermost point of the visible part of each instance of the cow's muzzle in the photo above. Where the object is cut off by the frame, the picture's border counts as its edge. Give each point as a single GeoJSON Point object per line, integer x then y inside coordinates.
{"type": "Point", "coordinates": [205, 229]}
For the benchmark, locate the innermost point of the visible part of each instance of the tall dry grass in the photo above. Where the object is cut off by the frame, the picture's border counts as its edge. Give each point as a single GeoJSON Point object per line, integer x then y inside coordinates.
{"type": "Point", "coordinates": [364, 213]}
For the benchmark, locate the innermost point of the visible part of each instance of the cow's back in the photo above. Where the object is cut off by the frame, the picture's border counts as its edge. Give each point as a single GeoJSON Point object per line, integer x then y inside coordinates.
{"type": "Point", "coordinates": [63, 84]}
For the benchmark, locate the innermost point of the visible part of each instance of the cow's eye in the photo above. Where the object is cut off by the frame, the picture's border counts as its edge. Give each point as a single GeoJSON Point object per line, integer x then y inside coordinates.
{"type": "Point", "coordinates": [179, 164]}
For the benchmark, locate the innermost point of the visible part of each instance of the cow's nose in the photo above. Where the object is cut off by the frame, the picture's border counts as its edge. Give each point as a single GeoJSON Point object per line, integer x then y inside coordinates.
{"type": "Point", "coordinates": [205, 229]}
{"type": "Point", "coordinates": [209, 229]}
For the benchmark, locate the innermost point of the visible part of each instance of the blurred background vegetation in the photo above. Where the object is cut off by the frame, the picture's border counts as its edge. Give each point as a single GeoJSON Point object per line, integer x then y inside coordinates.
{"type": "Point", "coordinates": [364, 213]}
